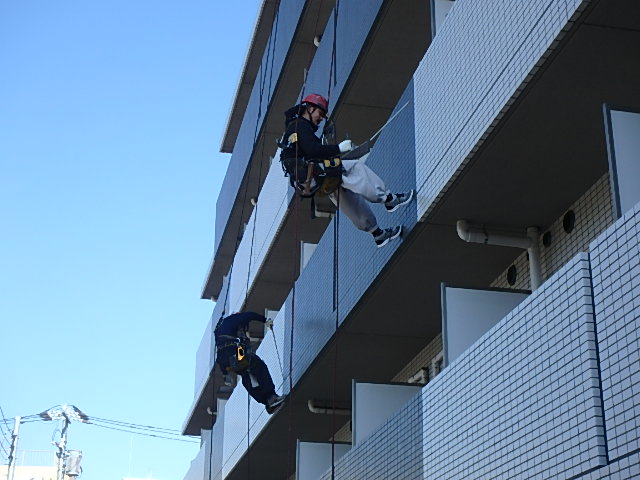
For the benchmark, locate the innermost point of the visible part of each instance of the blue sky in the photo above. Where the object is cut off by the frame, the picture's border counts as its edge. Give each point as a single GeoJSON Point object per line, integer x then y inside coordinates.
{"type": "Point", "coordinates": [111, 117]}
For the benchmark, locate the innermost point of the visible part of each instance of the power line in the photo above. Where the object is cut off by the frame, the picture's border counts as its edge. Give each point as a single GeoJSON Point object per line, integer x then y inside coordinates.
{"type": "Point", "coordinates": [6, 454]}
{"type": "Point", "coordinates": [169, 431]}
{"type": "Point", "coordinates": [6, 435]}
{"type": "Point", "coordinates": [4, 420]}
{"type": "Point", "coordinates": [145, 434]}
{"type": "Point", "coordinates": [31, 417]}
{"type": "Point", "coordinates": [145, 430]}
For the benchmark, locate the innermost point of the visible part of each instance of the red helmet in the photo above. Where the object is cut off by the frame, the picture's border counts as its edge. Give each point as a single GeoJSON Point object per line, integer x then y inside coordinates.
{"type": "Point", "coordinates": [317, 100]}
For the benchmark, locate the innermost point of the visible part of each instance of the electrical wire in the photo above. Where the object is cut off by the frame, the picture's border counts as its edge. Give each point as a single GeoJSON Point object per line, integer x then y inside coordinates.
{"type": "Point", "coordinates": [4, 449]}
{"type": "Point", "coordinates": [145, 434]}
{"type": "Point", "coordinates": [4, 420]}
{"type": "Point", "coordinates": [6, 438]}
{"type": "Point", "coordinates": [148, 430]}
{"type": "Point", "coordinates": [168, 431]}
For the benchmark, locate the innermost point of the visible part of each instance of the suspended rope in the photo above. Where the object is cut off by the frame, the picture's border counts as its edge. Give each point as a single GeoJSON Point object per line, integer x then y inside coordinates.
{"type": "Point", "coordinates": [336, 296]}
{"type": "Point", "coordinates": [296, 264]}
{"type": "Point", "coordinates": [262, 82]}
{"type": "Point", "coordinates": [336, 257]}
{"type": "Point", "coordinates": [263, 77]}
{"type": "Point", "coordinates": [275, 342]}
{"type": "Point", "coordinates": [296, 268]}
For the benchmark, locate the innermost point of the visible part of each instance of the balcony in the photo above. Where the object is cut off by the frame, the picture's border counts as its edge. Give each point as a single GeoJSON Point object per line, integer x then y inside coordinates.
{"type": "Point", "coordinates": [539, 387]}
{"type": "Point", "coordinates": [508, 403]}
{"type": "Point", "coordinates": [371, 79]}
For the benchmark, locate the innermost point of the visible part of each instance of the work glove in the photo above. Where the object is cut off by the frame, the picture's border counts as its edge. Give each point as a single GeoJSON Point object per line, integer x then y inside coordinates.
{"type": "Point", "coordinates": [269, 324]}
{"type": "Point", "coordinates": [345, 146]}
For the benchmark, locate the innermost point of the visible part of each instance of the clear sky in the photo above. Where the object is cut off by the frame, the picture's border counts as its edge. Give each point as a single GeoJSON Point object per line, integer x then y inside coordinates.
{"type": "Point", "coordinates": [111, 117]}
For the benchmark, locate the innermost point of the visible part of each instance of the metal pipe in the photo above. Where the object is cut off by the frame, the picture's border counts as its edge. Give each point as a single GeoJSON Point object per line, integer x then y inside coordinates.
{"type": "Point", "coordinates": [534, 258]}
{"type": "Point", "coordinates": [326, 410]}
{"type": "Point", "coordinates": [497, 237]}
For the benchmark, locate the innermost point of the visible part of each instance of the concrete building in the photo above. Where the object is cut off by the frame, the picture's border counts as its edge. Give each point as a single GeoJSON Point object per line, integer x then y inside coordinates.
{"type": "Point", "coordinates": [32, 465]}
{"type": "Point", "coordinates": [30, 473]}
{"type": "Point", "coordinates": [498, 338]}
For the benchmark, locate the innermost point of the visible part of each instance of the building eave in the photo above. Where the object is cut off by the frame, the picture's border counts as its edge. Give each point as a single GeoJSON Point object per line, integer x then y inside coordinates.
{"type": "Point", "coordinates": [255, 52]}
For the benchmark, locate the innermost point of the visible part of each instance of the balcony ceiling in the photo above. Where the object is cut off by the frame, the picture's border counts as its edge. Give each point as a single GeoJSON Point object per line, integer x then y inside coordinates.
{"type": "Point", "coordinates": [543, 155]}
{"type": "Point", "coordinates": [256, 50]}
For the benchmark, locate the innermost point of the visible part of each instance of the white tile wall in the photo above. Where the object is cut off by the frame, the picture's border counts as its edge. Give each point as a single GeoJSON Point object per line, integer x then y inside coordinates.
{"type": "Point", "coordinates": [615, 261]}
{"type": "Point", "coordinates": [458, 98]}
{"type": "Point", "coordinates": [524, 401]}
{"type": "Point", "coordinates": [593, 212]}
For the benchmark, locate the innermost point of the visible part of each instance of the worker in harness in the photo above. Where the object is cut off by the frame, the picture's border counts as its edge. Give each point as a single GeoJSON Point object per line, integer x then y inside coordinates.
{"type": "Point", "coordinates": [316, 168]}
{"type": "Point", "coordinates": [234, 354]}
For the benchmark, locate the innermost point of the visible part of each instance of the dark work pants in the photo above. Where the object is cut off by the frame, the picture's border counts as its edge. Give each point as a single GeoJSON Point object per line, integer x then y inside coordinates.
{"type": "Point", "coordinates": [265, 388]}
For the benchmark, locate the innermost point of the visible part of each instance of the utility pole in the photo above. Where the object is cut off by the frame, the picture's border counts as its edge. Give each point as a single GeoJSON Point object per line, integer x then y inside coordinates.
{"type": "Point", "coordinates": [62, 447]}
{"type": "Point", "coordinates": [66, 413]}
{"type": "Point", "coordinates": [14, 447]}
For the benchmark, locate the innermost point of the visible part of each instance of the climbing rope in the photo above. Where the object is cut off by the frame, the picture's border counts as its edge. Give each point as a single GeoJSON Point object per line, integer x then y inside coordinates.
{"type": "Point", "coordinates": [270, 56]}
{"type": "Point", "coordinates": [296, 268]}
{"type": "Point", "coordinates": [336, 258]}
{"type": "Point", "coordinates": [263, 76]}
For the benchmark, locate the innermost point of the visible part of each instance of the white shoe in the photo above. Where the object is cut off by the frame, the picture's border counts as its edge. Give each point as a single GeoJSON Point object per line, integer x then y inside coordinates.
{"type": "Point", "coordinates": [274, 402]}
{"type": "Point", "coordinates": [398, 200]}
{"type": "Point", "coordinates": [387, 235]}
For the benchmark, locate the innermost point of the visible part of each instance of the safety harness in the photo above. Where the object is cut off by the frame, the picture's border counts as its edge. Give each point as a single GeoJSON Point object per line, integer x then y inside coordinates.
{"type": "Point", "coordinates": [326, 174]}
{"type": "Point", "coordinates": [240, 358]}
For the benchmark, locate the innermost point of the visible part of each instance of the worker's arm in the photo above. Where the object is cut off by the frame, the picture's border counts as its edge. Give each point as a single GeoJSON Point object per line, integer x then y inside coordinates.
{"type": "Point", "coordinates": [311, 146]}
{"type": "Point", "coordinates": [240, 320]}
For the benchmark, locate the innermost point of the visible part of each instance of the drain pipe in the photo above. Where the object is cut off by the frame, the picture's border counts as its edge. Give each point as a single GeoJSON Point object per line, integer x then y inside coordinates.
{"type": "Point", "coordinates": [496, 237]}
{"type": "Point", "coordinates": [326, 410]}
{"type": "Point", "coordinates": [534, 258]}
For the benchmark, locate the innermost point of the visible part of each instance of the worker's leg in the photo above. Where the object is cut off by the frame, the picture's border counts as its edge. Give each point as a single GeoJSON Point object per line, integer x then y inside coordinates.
{"type": "Point", "coordinates": [356, 208]}
{"type": "Point", "coordinates": [265, 387]}
{"type": "Point", "coordinates": [360, 179]}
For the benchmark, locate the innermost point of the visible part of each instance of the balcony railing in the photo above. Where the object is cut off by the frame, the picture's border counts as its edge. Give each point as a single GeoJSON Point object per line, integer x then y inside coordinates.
{"type": "Point", "coordinates": [259, 235]}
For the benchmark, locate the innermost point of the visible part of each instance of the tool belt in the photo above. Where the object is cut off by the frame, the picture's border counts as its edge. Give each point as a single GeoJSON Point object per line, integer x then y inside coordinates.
{"type": "Point", "coordinates": [238, 358]}
{"type": "Point", "coordinates": [327, 175]}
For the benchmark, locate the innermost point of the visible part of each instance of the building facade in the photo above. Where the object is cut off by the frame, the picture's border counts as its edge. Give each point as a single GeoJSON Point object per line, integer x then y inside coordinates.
{"type": "Point", "coordinates": [498, 337]}
{"type": "Point", "coordinates": [32, 465]}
